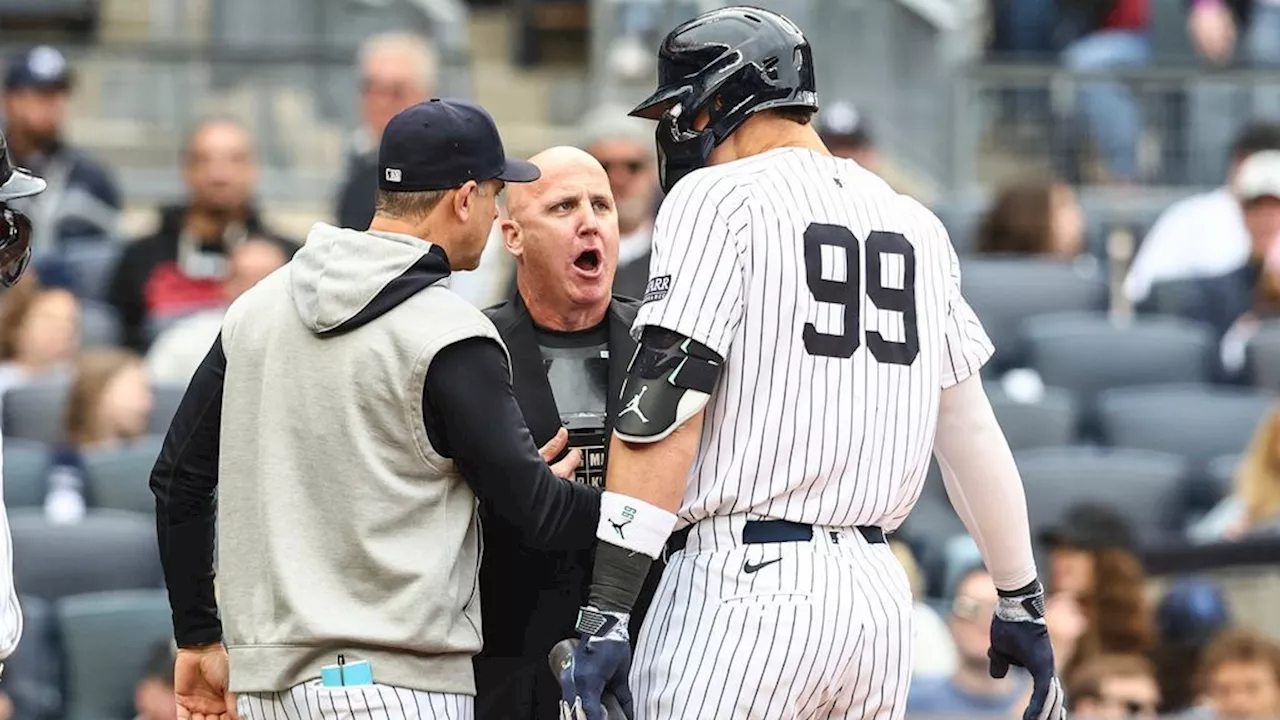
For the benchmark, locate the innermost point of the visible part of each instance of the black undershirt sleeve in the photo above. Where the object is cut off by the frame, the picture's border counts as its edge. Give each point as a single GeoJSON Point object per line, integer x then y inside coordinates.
{"type": "Point", "coordinates": [184, 481]}
{"type": "Point", "coordinates": [472, 416]}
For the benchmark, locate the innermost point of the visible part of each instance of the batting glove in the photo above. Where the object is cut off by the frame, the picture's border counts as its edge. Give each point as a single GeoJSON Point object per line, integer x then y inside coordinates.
{"type": "Point", "coordinates": [1020, 637]}
{"type": "Point", "coordinates": [599, 664]}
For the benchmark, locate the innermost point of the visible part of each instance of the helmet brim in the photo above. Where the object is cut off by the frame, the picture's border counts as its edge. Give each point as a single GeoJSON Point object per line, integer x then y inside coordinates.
{"type": "Point", "coordinates": [652, 107]}
{"type": "Point", "coordinates": [21, 184]}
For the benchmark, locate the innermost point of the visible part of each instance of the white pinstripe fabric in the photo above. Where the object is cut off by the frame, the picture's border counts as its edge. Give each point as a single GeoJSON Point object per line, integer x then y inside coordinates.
{"type": "Point", "coordinates": [787, 434]}
{"type": "Point", "coordinates": [825, 632]}
{"type": "Point", "coordinates": [10, 611]}
{"type": "Point", "coordinates": [312, 701]}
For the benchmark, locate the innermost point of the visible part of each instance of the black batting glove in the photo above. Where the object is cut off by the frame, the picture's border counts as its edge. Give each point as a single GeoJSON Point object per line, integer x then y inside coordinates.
{"type": "Point", "coordinates": [1020, 637]}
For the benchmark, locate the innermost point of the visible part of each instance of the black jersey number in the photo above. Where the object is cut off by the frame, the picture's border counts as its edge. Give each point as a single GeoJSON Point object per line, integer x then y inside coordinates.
{"type": "Point", "coordinates": [847, 293]}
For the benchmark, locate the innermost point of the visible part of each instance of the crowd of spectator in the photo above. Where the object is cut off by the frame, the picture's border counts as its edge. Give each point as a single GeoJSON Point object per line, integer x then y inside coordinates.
{"type": "Point", "coordinates": [112, 323]}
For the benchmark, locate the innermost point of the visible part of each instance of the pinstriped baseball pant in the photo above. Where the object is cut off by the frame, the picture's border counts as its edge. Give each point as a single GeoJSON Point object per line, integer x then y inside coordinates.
{"type": "Point", "coordinates": [783, 631]}
{"type": "Point", "coordinates": [312, 701]}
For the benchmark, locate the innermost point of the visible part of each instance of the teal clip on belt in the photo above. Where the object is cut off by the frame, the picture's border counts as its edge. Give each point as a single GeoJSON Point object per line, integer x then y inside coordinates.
{"type": "Point", "coordinates": [346, 674]}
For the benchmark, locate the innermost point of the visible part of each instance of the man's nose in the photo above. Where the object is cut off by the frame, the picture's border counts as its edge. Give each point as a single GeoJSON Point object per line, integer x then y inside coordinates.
{"type": "Point", "coordinates": [590, 224]}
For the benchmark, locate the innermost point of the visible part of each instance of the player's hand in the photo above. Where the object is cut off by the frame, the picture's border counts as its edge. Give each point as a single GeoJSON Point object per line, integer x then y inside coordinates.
{"type": "Point", "coordinates": [1020, 637]}
{"type": "Point", "coordinates": [569, 463]}
{"type": "Point", "coordinates": [200, 680]}
{"type": "Point", "coordinates": [598, 665]}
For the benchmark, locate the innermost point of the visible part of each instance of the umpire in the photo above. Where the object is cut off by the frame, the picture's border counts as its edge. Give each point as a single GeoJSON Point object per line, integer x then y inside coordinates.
{"type": "Point", "coordinates": [348, 417]}
{"type": "Point", "coordinates": [570, 344]}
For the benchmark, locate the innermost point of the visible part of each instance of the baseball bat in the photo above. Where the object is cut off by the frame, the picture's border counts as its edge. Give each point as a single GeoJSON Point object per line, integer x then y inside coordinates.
{"type": "Point", "coordinates": [559, 657]}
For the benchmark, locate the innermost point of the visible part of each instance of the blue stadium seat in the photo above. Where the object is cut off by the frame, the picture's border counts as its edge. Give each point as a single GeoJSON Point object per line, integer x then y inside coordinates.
{"type": "Point", "coordinates": [26, 473]}
{"type": "Point", "coordinates": [119, 478]}
{"type": "Point", "coordinates": [91, 264]}
{"type": "Point", "coordinates": [1222, 472]}
{"type": "Point", "coordinates": [1198, 422]}
{"type": "Point", "coordinates": [1049, 421]}
{"type": "Point", "coordinates": [1088, 353]}
{"type": "Point", "coordinates": [36, 411]}
{"type": "Point", "coordinates": [168, 396]}
{"type": "Point", "coordinates": [99, 325]}
{"type": "Point", "coordinates": [107, 638]}
{"type": "Point", "coordinates": [33, 673]}
{"type": "Point", "coordinates": [1143, 486]}
{"type": "Point", "coordinates": [1004, 292]}
{"type": "Point", "coordinates": [107, 550]}
{"type": "Point", "coordinates": [1264, 356]}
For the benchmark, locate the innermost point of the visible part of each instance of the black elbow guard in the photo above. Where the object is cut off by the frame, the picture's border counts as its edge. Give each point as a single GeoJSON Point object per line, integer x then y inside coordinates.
{"type": "Point", "coordinates": [669, 381]}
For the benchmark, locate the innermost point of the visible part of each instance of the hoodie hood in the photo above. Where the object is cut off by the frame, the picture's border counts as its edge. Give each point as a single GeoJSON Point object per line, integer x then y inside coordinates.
{"type": "Point", "coordinates": [342, 279]}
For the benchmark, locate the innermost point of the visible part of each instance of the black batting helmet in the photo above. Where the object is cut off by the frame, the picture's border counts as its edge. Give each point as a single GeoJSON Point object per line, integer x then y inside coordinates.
{"type": "Point", "coordinates": [15, 228]}
{"type": "Point", "coordinates": [731, 62]}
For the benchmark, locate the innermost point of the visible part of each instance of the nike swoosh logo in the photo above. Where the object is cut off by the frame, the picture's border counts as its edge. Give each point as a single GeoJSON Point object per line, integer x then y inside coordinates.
{"type": "Point", "coordinates": [748, 568]}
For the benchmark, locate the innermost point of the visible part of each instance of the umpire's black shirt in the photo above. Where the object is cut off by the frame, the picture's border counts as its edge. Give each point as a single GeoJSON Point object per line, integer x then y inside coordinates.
{"type": "Point", "coordinates": [530, 598]}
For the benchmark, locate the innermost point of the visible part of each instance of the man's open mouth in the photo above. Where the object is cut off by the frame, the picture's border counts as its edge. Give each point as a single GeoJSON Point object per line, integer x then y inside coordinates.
{"type": "Point", "coordinates": [588, 261]}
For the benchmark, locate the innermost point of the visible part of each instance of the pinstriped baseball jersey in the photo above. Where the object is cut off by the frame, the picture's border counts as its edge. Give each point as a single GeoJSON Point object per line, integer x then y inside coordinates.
{"type": "Point", "coordinates": [10, 611]}
{"type": "Point", "coordinates": [312, 701]}
{"type": "Point", "coordinates": [836, 304]}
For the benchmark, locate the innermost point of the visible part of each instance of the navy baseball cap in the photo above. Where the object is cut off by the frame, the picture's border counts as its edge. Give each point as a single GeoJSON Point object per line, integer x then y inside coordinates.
{"type": "Point", "coordinates": [441, 144]}
{"type": "Point", "coordinates": [38, 67]}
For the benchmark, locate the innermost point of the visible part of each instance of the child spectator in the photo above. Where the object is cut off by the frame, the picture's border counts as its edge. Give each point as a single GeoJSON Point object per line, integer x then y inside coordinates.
{"type": "Point", "coordinates": [1240, 676]}
{"type": "Point", "coordinates": [39, 332]}
{"type": "Point", "coordinates": [153, 696]}
{"type": "Point", "coordinates": [1113, 687]}
{"type": "Point", "coordinates": [1190, 615]}
{"type": "Point", "coordinates": [110, 403]}
{"type": "Point", "coordinates": [1033, 218]}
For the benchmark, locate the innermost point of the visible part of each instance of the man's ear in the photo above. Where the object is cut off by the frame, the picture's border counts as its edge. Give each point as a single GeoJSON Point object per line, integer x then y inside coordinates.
{"type": "Point", "coordinates": [464, 200]}
{"type": "Point", "coordinates": [512, 235]}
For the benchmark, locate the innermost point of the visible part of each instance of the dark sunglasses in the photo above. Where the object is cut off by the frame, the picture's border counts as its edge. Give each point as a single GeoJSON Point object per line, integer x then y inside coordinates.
{"type": "Point", "coordinates": [631, 166]}
{"type": "Point", "coordinates": [15, 246]}
{"type": "Point", "coordinates": [1132, 707]}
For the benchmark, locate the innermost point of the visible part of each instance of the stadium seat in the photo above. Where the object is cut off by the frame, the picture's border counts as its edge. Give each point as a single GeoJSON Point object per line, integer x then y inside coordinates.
{"type": "Point", "coordinates": [91, 264]}
{"type": "Point", "coordinates": [167, 398]}
{"type": "Point", "coordinates": [1143, 486]}
{"type": "Point", "coordinates": [1222, 472]}
{"type": "Point", "coordinates": [33, 673]}
{"type": "Point", "coordinates": [26, 473]}
{"type": "Point", "coordinates": [1264, 356]}
{"type": "Point", "coordinates": [99, 325]}
{"type": "Point", "coordinates": [107, 638]}
{"type": "Point", "coordinates": [1088, 353]}
{"type": "Point", "coordinates": [119, 478]}
{"type": "Point", "coordinates": [107, 550]}
{"type": "Point", "coordinates": [1049, 421]}
{"type": "Point", "coordinates": [36, 411]}
{"type": "Point", "coordinates": [1005, 291]}
{"type": "Point", "coordinates": [962, 219]}
{"type": "Point", "coordinates": [1199, 423]}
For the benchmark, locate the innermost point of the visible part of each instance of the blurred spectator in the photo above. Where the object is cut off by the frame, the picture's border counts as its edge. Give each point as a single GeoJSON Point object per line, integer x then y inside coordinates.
{"type": "Point", "coordinates": [1216, 28]}
{"type": "Point", "coordinates": [82, 199]}
{"type": "Point", "coordinates": [1203, 235]}
{"type": "Point", "coordinates": [1240, 676]}
{"type": "Point", "coordinates": [847, 134]}
{"type": "Point", "coordinates": [1091, 559]}
{"type": "Point", "coordinates": [1066, 623]}
{"type": "Point", "coordinates": [39, 332]}
{"type": "Point", "coordinates": [1254, 507]}
{"type": "Point", "coordinates": [1236, 302]}
{"type": "Point", "coordinates": [1114, 687]}
{"type": "Point", "coordinates": [970, 691]}
{"type": "Point", "coordinates": [625, 147]}
{"type": "Point", "coordinates": [180, 269]}
{"type": "Point", "coordinates": [1107, 35]}
{"type": "Point", "coordinates": [396, 70]}
{"type": "Point", "coordinates": [1033, 218]}
{"type": "Point", "coordinates": [153, 696]}
{"type": "Point", "coordinates": [109, 403]}
{"type": "Point", "coordinates": [178, 350]}
{"type": "Point", "coordinates": [1190, 615]}
{"type": "Point", "coordinates": [934, 653]}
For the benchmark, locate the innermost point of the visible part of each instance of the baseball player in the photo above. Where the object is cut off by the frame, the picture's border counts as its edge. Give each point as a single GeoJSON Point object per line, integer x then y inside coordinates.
{"type": "Point", "coordinates": [803, 348]}
{"type": "Point", "coordinates": [15, 256]}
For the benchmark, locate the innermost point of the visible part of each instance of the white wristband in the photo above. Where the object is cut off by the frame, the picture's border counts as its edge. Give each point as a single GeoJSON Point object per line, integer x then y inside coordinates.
{"type": "Point", "coordinates": [634, 524]}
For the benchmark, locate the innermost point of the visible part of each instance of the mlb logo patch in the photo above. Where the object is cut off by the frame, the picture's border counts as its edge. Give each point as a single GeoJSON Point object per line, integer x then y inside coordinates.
{"type": "Point", "coordinates": [657, 288]}
{"type": "Point", "coordinates": [393, 175]}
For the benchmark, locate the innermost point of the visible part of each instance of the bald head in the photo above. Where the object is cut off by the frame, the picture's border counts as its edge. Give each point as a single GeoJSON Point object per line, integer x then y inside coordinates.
{"type": "Point", "coordinates": [557, 165]}
{"type": "Point", "coordinates": [563, 231]}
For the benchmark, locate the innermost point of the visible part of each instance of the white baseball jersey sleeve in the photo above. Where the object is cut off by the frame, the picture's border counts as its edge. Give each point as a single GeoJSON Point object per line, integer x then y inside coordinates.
{"type": "Point", "coordinates": [836, 304]}
{"type": "Point", "coordinates": [10, 611]}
